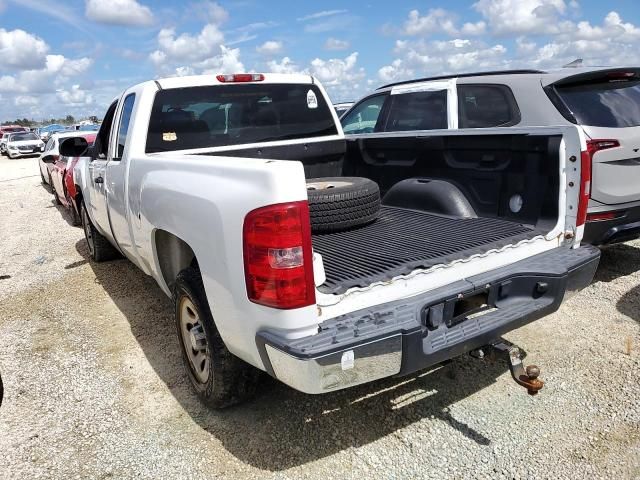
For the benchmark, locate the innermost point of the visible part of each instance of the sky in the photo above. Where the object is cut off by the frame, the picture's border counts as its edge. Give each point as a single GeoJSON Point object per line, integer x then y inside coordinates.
{"type": "Point", "coordinates": [74, 56]}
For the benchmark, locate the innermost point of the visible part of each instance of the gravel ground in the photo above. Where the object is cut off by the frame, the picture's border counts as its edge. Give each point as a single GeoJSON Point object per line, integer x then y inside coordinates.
{"type": "Point", "coordinates": [95, 386]}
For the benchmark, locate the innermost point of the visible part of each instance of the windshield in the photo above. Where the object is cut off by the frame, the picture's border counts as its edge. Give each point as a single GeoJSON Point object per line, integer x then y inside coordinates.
{"type": "Point", "coordinates": [609, 103]}
{"type": "Point", "coordinates": [89, 128]}
{"type": "Point", "coordinates": [19, 137]}
{"type": "Point", "coordinates": [214, 116]}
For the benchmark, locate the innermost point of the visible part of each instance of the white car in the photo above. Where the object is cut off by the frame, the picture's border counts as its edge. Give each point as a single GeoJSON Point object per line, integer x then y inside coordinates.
{"type": "Point", "coordinates": [51, 153]}
{"type": "Point", "coordinates": [23, 144]}
{"type": "Point", "coordinates": [216, 186]}
{"type": "Point", "coordinates": [3, 143]}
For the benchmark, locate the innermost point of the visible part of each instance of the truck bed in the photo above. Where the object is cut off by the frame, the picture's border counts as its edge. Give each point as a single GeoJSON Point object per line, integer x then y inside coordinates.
{"type": "Point", "coordinates": [403, 240]}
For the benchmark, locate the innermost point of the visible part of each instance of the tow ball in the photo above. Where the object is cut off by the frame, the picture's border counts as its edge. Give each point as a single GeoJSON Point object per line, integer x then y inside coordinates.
{"type": "Point", "coordinates": [526, 377]}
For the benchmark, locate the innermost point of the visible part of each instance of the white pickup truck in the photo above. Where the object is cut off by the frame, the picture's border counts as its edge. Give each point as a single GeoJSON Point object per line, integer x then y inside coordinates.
{"type": "Point", "coordinates": [323, 261]}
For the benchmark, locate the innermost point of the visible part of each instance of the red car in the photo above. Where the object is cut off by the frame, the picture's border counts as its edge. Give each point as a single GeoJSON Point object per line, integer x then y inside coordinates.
{"type": "Point", "coordinates": [63, 186]}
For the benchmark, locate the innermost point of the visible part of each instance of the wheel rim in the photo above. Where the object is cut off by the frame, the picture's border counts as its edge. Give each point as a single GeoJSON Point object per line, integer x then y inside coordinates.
{"type": "Point", "coordinates": [327, 185]}
{"type": "Point", "coordinates": [86, 225]}
{"type": "Point", "coordinates": [194, 340]}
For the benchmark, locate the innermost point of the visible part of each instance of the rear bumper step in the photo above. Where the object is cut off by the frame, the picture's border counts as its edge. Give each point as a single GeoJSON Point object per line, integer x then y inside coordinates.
{"type": "Point", "coordinates": [402, 337]}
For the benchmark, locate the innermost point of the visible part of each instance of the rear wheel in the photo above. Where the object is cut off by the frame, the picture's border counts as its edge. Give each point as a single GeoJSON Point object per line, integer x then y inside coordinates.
{"type": "Point", "coordinates": [219, 378]}
{"type": "Point", "coordinates": [100, 249]}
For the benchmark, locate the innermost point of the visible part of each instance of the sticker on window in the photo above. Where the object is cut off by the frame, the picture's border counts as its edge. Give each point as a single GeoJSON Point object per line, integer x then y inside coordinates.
{"type": "Point", "coordinates": [169, 136]}
{"type": "Point", "coordinates": [312, 100]}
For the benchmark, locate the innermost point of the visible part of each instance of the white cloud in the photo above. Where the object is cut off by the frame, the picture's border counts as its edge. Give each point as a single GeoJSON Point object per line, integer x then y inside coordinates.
{"type": "Point", "coordinates": [506, 17]}
{"type": "Point", "coordinates": [438, 20]}
{"type": "Point", "coordinates": [187, 47]}
{"type": "Point", "coordinates": [118, 12]}
{"type": "Point", "coordinates": [25, 101]}
{"type": "Point", "coordinates": [21, 50]}
{"type": "Point", "coordinates": [422, 58]}
{"type": "Point", "coordinates": [473, 29]}
{"type": "Point", "coordinates": [335, 44]}
{"type": "Point", "coordinates": [435, 21]}
{"type": "Point", "coordinates": [286, 65]}
{"type": "Point", "coordinates": [322, 14]}
{"type": "Point", "coordinates": [227, 61]}
{"type": "Point", "coordinates": [75, 96]}
{"type": "Point", "coordinates": [270, 48]}
{"type": "Point", "coordinates": [216, 13]}
{"type": "Point", "coordinates": [340, 76]}
{"type": "Point", "coordinates": [336, 71]}
{"type": "Point", "coordinates": [56, 71]}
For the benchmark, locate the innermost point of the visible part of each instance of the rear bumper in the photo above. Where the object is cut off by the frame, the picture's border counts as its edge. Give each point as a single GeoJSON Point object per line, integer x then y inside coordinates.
{"type": "Point", "coordinates": [412, 334]}
{"type": "Point", "coordinates": [603, 232]}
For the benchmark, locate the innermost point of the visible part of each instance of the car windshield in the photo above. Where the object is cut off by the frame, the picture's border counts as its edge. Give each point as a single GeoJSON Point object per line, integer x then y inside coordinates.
{"type": "Point", "coordinates": [213, 116]}
{"type": "Point", "coordinates": [608, 103]}
{"type": "Point", "coordinates": [19, 137]}
{"type": "Point", "coordinates": [89, 128]}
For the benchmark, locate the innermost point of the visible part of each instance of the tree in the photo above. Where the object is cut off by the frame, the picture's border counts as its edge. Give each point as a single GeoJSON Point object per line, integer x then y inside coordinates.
{"type": "Point", "coordinates": [69, 119]}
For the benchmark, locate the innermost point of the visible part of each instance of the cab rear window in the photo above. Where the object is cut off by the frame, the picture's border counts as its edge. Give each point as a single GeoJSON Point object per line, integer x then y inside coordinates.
{"type": "Point", "coordinates": [605, 102]}
{"type": "Point", "coordinates": [222, 115]}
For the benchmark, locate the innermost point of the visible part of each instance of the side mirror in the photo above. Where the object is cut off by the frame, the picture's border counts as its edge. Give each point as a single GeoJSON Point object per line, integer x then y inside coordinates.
{"type": "Point", "coordinates": [73, 147]}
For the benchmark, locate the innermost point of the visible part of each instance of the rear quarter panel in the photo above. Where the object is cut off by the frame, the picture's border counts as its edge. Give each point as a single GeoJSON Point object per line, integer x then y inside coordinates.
{"type": "Point", "coordinates": [203, 200]}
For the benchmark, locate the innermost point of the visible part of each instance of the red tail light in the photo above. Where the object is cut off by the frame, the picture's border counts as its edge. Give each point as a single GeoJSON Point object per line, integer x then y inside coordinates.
{"type": "Point", "coordinates": [586, 160]}
{"type": "Point", "coordinates": [240, 77]}
{"type": "Point", "coordinates": [598, 217]}
{"type": "Point", "coordinates": [278, 261]}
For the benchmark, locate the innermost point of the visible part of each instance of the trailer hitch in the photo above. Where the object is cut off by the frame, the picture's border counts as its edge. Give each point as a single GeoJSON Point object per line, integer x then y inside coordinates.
{"type": "Point", "coordinates": [526, 377]}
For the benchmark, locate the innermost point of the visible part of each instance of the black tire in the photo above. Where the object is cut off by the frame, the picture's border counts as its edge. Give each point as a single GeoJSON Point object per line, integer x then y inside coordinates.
{"type": "Point", "coordinates": [100, 249]}
{"type": "Point", "coordinates": [341, 203]}
{"type": "Point", "coordinates": [75, 218]}
{"type": "Point", "coordinates": [229, 380]}
{"type": "Point", "coordinates": [55, 194]}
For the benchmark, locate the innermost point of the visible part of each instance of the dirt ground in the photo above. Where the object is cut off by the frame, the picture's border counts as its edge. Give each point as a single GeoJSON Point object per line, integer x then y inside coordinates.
{"type": "Point", "coordinates": [95, 388]}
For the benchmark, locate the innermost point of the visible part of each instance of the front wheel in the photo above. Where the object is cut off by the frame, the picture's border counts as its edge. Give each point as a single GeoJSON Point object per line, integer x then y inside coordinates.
{"type": "Point", "coordinates": [100, 249]}
{"type": "Point", "coordinates": [219, 378]}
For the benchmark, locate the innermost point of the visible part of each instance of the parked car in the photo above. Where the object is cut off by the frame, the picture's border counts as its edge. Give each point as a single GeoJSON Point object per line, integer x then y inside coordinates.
{"type": "Point", "coordinates": [604, 102]}
{"type": "Point", "coordinates": [3, 143]}
{"type": "Point", "coordinates": [23, 144]}
{"type": "Point", "coordinates": [51, 154]}
{"type": "Point", "coordinates": [46, 132]}
{"type": "Point", "coordinates": [343, 107]}
{"type": "Point", "coordinates": [239, 195]}
{"type": "Point", "coordinates": [88, 128]}
{"type": "Point", "coordinates": [12, 129]}
{"type": "Point", "coordinates": [63, 185]}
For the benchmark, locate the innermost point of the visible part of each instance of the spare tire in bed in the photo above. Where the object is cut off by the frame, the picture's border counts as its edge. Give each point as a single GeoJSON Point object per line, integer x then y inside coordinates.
{"type": "Point", "coordinates": [341, 203]}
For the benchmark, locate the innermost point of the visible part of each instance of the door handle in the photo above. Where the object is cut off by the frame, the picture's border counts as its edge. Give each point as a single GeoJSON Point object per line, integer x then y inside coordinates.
{"type": "Point", "coordinates": [99, 180]}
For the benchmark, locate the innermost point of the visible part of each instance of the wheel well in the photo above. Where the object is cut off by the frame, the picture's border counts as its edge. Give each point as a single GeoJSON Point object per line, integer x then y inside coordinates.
{"type": "Point", "coordinates": [174, 255]}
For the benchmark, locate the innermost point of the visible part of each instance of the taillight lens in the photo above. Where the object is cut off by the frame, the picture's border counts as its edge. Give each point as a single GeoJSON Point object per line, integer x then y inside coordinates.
{"type": "Point", "coordinates": [598, 217]}
{"type": "Point", "coordinates": [586, 161]}
{"type": "Point", "coordinates": [278, 259]}
{"type": "Point", "coordinates": [240, 77]}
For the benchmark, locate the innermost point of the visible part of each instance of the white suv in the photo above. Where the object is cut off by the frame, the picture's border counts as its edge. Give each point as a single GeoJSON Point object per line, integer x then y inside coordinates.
{"type": "Point", "coordinates": [604, 102]}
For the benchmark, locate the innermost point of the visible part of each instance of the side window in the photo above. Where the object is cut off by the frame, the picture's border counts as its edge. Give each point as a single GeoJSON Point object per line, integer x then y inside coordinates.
{"type": "Point", "coordinates": [483, 106]}
{"type": "Point", "coordinates": [125, 117]}
{"type": "Point", "coordinates": [364, 116]}
{"type": "Point", "coordinates": [49, 145]}
{"type": "Point", "coordinates": [101, 145]}
{"type": "Point", "coordinates": [417, 111]}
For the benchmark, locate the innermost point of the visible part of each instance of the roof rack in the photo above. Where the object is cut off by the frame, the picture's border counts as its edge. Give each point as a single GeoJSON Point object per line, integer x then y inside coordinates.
{"type": "Point", "coordinates": [460, 75]}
